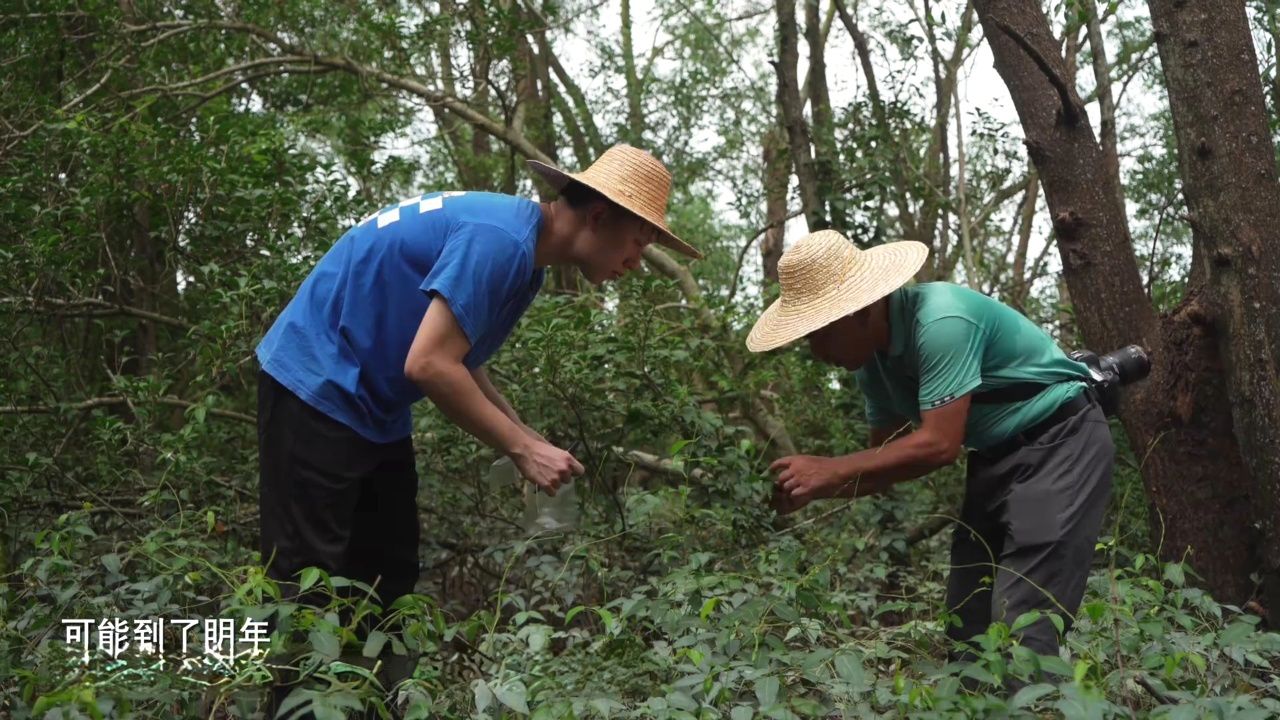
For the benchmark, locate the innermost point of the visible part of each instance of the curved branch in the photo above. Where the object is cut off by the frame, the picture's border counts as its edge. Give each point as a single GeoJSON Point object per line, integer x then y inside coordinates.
{"type": "Point", "coordinates": [1070, 111]}
{"type": "Point", "coordinates": [742, 254]}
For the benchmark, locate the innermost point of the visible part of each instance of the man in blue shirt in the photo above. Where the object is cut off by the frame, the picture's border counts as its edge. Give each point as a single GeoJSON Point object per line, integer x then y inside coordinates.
{"type": "Point", "coordinates": [412, 302]}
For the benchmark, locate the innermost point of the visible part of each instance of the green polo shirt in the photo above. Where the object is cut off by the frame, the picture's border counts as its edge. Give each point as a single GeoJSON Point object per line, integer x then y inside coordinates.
{"type": "Point", "coordinates": [946, 341]}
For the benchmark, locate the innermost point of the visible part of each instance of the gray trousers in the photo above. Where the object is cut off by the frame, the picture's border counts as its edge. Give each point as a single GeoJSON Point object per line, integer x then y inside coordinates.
{"type": "Point", "coordinates": [1028, 528]}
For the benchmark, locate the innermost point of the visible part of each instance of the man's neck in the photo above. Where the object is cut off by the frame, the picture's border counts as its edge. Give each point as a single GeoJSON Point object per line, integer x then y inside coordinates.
{"type": "Point", "coordinates": [880, 324]}
{"type": "Point", "coordinates": [553, 245]}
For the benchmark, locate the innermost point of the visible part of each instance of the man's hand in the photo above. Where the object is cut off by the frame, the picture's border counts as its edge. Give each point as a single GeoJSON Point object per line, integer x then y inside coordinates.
{"type": "Point", "coordinates": [546, 465]}
{"type": "Point", "coordinates": [784, 504]}
{"type": "Point", "coordinates": [805, 477]}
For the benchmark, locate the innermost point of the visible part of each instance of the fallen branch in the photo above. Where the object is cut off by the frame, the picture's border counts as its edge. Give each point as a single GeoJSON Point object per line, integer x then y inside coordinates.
{"type": "Point", "coordinates": [653, 463]}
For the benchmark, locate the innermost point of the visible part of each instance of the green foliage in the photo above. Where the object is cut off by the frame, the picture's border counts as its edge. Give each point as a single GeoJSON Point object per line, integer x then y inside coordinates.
{"type": "Point", "coordinates": [150, 233]}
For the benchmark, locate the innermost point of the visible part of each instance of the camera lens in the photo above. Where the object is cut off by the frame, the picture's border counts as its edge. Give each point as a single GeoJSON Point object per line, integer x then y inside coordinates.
{"type": "Point", "coordinates": [1130, 364]}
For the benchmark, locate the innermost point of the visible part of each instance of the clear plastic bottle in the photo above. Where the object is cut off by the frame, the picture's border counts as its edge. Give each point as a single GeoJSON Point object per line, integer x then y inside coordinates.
{"type": "Point", "coordinates": [542, 512]}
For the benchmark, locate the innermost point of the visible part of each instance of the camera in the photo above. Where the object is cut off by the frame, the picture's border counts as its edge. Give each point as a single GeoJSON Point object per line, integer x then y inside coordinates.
{"type": "Point", "coordinates": [1108, 373]}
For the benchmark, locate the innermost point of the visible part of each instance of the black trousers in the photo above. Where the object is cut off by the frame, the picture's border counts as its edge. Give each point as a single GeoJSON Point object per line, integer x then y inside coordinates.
{"type": "Point", "coordinates": [1028, 528]}
{"type": "Point", "coordinates": [332, 499]}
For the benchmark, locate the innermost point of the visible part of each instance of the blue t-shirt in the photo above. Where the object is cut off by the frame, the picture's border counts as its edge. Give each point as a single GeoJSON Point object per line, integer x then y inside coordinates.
{"type": "Point", "coordinates": [341, 343]}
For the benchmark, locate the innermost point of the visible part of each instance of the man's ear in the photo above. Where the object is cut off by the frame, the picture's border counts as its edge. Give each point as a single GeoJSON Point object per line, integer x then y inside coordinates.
{"type": "Point", "coordinates": [598, 217]}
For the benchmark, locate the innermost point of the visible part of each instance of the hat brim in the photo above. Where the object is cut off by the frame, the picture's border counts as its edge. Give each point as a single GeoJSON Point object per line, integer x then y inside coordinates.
{"type": "Point", "coordinates": [558, 178]}
{"type": "Point", "coordinates": [886, 268]}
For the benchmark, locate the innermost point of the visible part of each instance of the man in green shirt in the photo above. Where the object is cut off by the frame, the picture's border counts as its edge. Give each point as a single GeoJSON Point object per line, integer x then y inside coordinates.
{"type": "Point", "coordinates": [942, 368]}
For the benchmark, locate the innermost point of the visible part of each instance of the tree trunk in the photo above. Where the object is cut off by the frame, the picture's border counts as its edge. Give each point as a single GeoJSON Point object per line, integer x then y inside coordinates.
{"type": "Point", "coordinates": [826, 157]}
{"type": "Point", "coordinates": [1026, 219]}
{"type": "Point", "coordinates": [792, 106]}
{"type": "Point", "coordinates": [777, 171]}
{"type": "Point", "coordinates": [1178, 421]}
{"type": "Point", "coordinates": [1106, 101]}
{"type": "Point", "coordinates": [635, 112]}
{"type": "Point", "coordinates": [1228, 168]}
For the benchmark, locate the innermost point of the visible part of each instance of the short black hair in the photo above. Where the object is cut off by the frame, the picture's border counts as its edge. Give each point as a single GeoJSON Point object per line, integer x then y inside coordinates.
{"type": "Point", "coordinates": [580, 196]}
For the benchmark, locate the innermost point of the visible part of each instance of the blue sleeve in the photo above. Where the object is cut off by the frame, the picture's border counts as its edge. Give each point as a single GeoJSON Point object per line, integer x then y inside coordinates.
{"type": "Point", "coordinates": [950, 351]}
{"type": "Point", "coordinates": [478, 272]}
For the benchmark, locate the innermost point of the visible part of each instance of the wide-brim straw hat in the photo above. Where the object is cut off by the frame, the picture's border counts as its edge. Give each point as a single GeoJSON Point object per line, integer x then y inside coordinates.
{"type": "Point", "coordinates": [824, 277]}
{"type": "Point", "coordinates": [632, 178]}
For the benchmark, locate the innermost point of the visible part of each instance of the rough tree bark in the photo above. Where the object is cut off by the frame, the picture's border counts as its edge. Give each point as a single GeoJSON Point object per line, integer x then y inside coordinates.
{"type": "Point", "coordinates": [777, 173]}
{"type": "Point", "coordinates": [1179, 421]}
{"type": "Point", "coordinates": [1229, 180]}
{"type": "Point", "coordinates": [826, 157]}
{"type": "Point", "coordinates": [792, 107]}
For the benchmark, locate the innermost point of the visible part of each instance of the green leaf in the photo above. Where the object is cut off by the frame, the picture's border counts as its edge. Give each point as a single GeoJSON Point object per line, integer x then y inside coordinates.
{"type": "Point", "coordinates": [1235, 632]}
{"type": "Point", "coordinates": [309, 577]}
{"type": "Point", "coordinates": [708, 607]}
{"type": "Point", "coordinates": [1174, 574]}
{"type": "Point", "coordinates": [1056, 619]}
{"type": "Point", "coordinates": [374, 644]}
{"type": "Point", "coordinates": [325, 643]}
{"type": "Point", "coordinates": [483, 695]}
{"type": "Point", "coordinates": [1055, 665]}
{"type": "Point", "coordinates": [677, 447]}
{"type": "Point", "coordinates": [513, 696]}
{"type": "Point", "coordinates": [573, 613]}
{"type": "Point", "coordinates": [1024, 620]}
{"type": "Point", "coordinates": [1029, 694]}
{"type": "Point", "coordinates": [111, 563]}
{"type": "Point", "coordinates": [606, 617]}
{"type": "Point", "coordinates": [767, 690]}
{"type": "Point", "coordinates": [849, 668]}
{"type": "Point", "coordinates": [741, 712]}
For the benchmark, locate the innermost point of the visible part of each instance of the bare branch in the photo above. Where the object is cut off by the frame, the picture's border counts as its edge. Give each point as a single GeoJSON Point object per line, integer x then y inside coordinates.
{"type": "Point", "coordinates": [746, 247]}
{"type": "Point", "coordinates": [113, 400]}
{"type": "Point", "coordinates": [89, 307]}
{"type": "Point", "coordinates": [1070, 111]}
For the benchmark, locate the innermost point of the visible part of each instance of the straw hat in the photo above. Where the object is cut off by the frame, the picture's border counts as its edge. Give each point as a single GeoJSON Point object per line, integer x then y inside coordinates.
{"type": "Point", "coordinates": [825, 277]}
{"type": "Point", "coordinates": [631, 178]}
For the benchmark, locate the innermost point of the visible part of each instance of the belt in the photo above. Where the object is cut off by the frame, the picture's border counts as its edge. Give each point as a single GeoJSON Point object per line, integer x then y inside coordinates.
{"type": "Point", "coordinates": [1027, 436]}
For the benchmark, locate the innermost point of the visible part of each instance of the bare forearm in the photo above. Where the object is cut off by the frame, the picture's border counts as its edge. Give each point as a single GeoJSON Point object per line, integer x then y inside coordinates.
{"type": "Point", "coordinates": [876, 470]}
{"type": "Point", "coordinates": [884, 434]}
{"type": "Point", "coordinates": [500, 401]}
{"type": "Point", "coordinates": [455, 391]}
{"type": "Point", "coordinates": [490, 391]}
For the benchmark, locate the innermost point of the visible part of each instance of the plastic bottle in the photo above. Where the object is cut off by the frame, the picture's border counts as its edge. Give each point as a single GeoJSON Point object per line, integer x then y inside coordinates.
{"type": "Point", "coordinates": [542, 512]}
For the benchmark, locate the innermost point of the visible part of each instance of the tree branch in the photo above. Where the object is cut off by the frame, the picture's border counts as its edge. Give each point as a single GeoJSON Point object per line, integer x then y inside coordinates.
{"type": "Point", "coordinates": [1070, 111]}
{"type": "Point", "coordinates": [113, 400]}
{"type": "Point", "coordinates": [746, 247]}
{"type": "Point", "coordinates": [90, 307]}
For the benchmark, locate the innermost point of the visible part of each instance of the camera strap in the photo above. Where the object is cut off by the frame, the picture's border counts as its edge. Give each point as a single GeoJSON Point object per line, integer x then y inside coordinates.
{"type": "Point", "coordinates": [1016, 392]}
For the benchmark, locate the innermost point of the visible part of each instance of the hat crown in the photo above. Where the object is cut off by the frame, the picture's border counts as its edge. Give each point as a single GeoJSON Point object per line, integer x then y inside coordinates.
{"type": "Point", "coordinates": [632, 179]}
{"type": "Point", "coordinates": [817, 263]}
{"type": "Point", "coordinates": [635, 175]}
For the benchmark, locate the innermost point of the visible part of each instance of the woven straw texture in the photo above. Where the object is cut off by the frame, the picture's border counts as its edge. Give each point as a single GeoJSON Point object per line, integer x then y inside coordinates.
{"type": "Point", "coordinates": [631, 178]}
{"type": "Point", "coordinates": [824, 277]}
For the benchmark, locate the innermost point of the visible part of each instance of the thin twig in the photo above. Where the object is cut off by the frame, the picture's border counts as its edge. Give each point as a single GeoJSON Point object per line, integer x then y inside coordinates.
{"type": "Point", "coordinates": [751, 241]}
